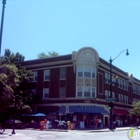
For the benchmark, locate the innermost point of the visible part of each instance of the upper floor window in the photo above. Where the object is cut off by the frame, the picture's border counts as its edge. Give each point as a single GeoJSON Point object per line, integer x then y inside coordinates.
{"type": "Point", "coordinates": [107, 93]}
{"type": "Point", "coordinates": [119, 83]}
{"type": "Point", "coordinates": [45, 93]}
{"type": "Point", "coordinates": [93, 72]}
{"type": "Point", "coordinates": [35, 76]}
{"type": "Point", "coordinates": [46, 75]}
{"type": "Point", "coordinates": [62, 73]}
{"type": "Point", "coordinates": [113, 94]}
{"type": "Point", "coordinates": [125, 99]}
{"type": "Point", "coordinates": [79, 91]}
{"type": "Point", "coordinates": [62, 92]}
{"type": "Point", "coordinates": [80, 71]}
{"type": "Point", "coordinates": [86, 72]}
{"type": "Point", "coordinates": [106, 77]}
{"type": "Point", "coordinates": [119, 97]}
{"type": "Point", "coordinates": [86, 92]}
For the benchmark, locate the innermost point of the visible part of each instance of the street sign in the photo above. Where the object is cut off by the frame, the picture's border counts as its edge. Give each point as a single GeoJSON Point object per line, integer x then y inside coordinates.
{"type": "Point", "coordinates": [111, 99]}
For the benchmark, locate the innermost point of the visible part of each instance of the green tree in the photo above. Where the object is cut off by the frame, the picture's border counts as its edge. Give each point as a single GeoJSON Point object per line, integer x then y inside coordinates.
{"type": "Point", "coordinates": [50, 54]}
{"type": "Point", "coordinates": [136, 109]}
{"type": "Point", "coordinates": [16, 95]}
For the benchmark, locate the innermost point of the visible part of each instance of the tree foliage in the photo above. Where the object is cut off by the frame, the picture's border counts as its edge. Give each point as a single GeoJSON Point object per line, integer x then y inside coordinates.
{"type": "Point", "coordinates": [16, 94]}
{"type": "Point", "coordinates": [136, 109]}
{"type": "Point", "coordinates": [50, 54]}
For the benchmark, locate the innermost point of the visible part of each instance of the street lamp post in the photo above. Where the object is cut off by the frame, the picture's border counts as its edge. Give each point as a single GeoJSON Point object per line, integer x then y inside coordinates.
{"type": "Point", "coordinates": [2, 20]}
{"type": "Point", "coordinates": [111, 126]}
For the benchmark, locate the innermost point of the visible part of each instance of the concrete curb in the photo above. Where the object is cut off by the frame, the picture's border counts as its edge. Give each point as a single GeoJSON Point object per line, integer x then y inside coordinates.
{"type": "Point", "coordinates": [100, 130]}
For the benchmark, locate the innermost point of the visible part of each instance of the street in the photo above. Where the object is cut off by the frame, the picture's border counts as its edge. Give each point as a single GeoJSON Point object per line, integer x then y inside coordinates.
{"type": "Point", "coordinates": [70, 135]}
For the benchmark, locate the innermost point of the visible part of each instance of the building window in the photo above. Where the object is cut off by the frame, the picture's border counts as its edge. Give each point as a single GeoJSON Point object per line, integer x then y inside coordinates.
{"type": "Point", "coordinates": [62, 92]}
{"type": "Point", "coordinates": [45, 93]}
{"type": "Point", "coordinates": [80, 71]}
{"type": "Point", "coordinates": [127, 99]}
{"type": "Point", "coordinates": [93, 92]}
{"type": "Point", "coordinates": [79, 92]}
{"type": "Point", "coordinates": [87, 72]}
{"type": "Point", "coordinates": [106, 77]}
{"type": "Point", "coordinates": [93, 72]}
{"type": "Point", "coordinates": [119, 97]}
{"type": "Point", "coordinates": [118, 83]}
{"type": "Point", "coordinates": [46, 75]}
{"type": "Point", "coordinates": [107, 93]}
{"type": "Point", "coordinates": [86, 91]}
{"type": "Point", "coordinates": [121, 86]}
{"type": "Point", "coordinates": [35, 76]}
{"type": "Point", "coordinates": [113, 94]}
{"type": "Point", "coordinates": [62, 73]}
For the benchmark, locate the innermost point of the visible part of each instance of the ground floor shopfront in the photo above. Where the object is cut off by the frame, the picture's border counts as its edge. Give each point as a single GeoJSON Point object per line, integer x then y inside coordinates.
{"type": "Point", "coordinates": [85, 113]}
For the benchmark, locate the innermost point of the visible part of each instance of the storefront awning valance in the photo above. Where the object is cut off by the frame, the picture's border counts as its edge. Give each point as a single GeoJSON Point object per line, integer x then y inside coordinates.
{"type": "Point", "coordinates": [67, 109]}
{"type": "Point", "coordinates": [82, 109]}
{"type": "Point", "coordinates": [118, 111]}
{"type": "Point", "coordinates": [91, 109]}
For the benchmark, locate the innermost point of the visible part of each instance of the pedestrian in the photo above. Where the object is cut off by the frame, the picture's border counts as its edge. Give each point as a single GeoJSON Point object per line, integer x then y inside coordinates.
{"type": "Point", "coordinates": [99, 123]}
{"type": "Point", "coordinates": [96, 123]}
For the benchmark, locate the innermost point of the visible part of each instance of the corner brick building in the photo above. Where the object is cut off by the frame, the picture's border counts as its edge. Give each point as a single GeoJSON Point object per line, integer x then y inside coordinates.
{"type": "Point", "coordinates": [78, 84]}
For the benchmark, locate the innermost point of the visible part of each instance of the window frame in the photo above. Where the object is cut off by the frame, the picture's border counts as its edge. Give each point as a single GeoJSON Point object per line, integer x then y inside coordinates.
{"type": "Point", "coordinates": [47, 75]}
{"type": "Point", "coordinates": [48, 92]}
{"type": "Point", "coordinates": [63, 75]}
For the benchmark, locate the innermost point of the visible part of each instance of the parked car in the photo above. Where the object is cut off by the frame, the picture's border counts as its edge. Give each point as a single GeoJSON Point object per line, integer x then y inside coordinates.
{"type": "Point", "coordinates": [18, 124]}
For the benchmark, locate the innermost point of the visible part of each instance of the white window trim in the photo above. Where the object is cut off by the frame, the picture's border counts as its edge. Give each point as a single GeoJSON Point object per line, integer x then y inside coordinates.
{"type": "Point", "coordinates": [91, 71]}
{"type": "Point", "coordinates": [83, 92]}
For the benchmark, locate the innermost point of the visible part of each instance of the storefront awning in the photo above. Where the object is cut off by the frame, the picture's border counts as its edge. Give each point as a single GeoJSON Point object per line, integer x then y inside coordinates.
{"type": "Point", "coordinates": [91, 109]}
{"type": "Point", "coordinates": [69, 109]}
{"type": "Point", "coordinates": [118, 111]}
{"type": "Point", "coordinates": [82, 109]}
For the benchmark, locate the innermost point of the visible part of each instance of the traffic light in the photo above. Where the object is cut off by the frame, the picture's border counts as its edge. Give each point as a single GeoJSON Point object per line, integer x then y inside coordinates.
{"type": "Point", "coordinates": [110, 106]}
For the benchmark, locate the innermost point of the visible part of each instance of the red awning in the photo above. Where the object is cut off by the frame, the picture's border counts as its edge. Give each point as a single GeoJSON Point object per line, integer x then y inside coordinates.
{"type": "Point", "coordinates": [118, 111]}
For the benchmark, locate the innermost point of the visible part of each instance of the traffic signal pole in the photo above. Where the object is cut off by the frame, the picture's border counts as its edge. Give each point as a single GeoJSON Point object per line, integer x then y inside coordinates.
{"type": "Point", "coordinates": [111, 127]}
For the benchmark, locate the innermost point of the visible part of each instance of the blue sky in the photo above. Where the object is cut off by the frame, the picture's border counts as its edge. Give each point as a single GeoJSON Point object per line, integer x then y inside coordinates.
{"type": "Point", "coordinates": [109, 26]}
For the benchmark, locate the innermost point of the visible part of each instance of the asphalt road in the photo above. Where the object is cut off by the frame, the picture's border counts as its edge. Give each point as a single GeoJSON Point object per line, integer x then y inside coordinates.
{"type": "Point", "coordinates": [70, 135]}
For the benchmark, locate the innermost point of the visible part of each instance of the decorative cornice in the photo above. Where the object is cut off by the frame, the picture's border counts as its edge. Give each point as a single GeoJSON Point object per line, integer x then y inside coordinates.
{"type": "Point", "coordinates": [49, 64]}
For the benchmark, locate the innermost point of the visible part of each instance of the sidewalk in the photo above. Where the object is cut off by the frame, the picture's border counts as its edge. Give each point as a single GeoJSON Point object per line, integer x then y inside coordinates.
{"type": "Point", "coordinates": [17, 136]}
{"type": "Point", "coordinates": [86, 130]}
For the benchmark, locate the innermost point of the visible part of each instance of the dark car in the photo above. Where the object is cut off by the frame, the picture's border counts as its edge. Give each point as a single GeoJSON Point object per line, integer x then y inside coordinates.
{"type": "Point", "coordinates": [17, 125]}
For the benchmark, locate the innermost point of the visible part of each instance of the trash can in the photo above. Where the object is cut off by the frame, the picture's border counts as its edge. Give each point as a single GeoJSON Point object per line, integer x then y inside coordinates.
{"type": "Point", "coordinates": [72, 126]}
